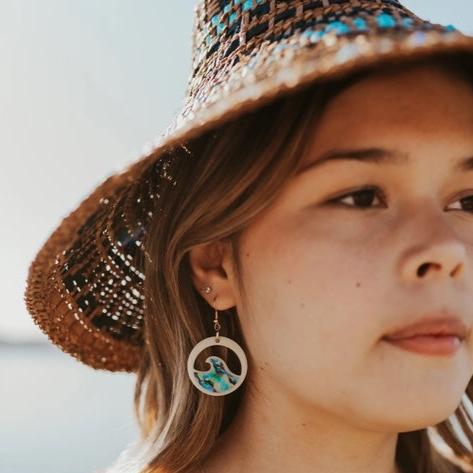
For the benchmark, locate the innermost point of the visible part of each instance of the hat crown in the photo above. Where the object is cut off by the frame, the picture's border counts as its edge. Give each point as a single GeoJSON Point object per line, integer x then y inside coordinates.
{"type": "Point", "coordinates": [226, 32]}
{"type": "Point", "coordinates": [219, 22]}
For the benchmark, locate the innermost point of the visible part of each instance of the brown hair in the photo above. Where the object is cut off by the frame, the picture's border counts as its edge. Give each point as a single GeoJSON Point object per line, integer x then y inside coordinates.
{"type": "Point", "coordinates": [238, 171]}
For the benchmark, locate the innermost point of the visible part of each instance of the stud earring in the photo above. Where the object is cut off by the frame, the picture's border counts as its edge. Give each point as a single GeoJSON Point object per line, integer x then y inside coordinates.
{"type": "Point", "coordinates": [219, 380]}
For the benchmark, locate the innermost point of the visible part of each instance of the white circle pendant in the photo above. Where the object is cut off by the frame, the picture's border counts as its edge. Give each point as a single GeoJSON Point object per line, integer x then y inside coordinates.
{"type": "Point", "coordinates": [219, 380]}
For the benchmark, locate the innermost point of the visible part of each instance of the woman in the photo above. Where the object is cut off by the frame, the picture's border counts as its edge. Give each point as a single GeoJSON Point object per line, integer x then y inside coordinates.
{"type": "Point", "coordinates": [303, 236]}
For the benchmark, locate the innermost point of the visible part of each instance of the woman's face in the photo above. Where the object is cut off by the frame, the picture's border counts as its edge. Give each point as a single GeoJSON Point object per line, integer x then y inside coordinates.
{"type": "Point", "coordinates": [326, 281]}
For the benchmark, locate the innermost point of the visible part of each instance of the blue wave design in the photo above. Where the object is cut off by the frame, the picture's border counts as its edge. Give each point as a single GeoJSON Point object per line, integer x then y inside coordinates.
{"type": "Point", "coordinates": [219, 378]}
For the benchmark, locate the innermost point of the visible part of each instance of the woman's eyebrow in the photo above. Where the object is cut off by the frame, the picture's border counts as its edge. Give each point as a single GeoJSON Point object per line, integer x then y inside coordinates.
{"type": "Point", "coordinates": [374, 156]}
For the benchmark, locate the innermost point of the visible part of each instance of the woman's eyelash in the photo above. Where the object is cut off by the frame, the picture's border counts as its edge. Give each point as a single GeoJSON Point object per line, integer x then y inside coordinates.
{"type": "Point", "coordinates": [363, 195]}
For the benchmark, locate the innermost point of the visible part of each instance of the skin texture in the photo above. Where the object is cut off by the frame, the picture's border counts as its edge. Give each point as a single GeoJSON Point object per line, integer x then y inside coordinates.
{"type": "Point", "coordinates": [326, 282]}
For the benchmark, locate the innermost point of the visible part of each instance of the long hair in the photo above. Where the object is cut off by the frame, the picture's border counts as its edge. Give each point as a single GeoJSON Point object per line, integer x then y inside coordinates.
{"type": "Point", "coordinates": [237, 172]}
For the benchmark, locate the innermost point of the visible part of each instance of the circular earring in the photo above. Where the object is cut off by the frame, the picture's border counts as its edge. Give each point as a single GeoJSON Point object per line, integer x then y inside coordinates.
{"type": "Point", "coordinates": [219, 380]}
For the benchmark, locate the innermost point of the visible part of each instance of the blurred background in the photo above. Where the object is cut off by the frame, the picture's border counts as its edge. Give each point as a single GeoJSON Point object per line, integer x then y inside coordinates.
{"type": "Point", "coordinates": [85, 86]}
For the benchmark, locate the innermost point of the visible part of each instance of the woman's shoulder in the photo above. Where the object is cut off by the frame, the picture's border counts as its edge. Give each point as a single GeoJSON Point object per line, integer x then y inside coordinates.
{"type": "Point", "coordinates": [463, 469]}
{"type": "Point", "coordinates": [130, 460]}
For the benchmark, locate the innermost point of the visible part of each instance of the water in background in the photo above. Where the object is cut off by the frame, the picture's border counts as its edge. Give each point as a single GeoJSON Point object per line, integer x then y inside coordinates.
{"type": "Point", "coordinates": [58, 415]}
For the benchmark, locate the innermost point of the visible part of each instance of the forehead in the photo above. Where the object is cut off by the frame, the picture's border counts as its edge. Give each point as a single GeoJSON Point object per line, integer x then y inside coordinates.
{"type": "Point", "coordinates": [408, 101]}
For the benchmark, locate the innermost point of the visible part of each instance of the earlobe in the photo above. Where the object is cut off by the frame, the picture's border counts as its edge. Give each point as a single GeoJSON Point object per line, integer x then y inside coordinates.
{"type": "Point", "coordinates": [205, 262]}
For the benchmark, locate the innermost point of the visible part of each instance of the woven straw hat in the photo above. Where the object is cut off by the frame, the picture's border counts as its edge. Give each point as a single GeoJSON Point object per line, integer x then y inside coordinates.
{"type": "Point", "coordinates": [85, 285]}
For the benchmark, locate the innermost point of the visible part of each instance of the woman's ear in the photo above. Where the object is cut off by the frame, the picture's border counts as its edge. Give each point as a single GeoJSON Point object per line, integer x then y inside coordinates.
{"type": "Point", "coordinates": [207, 269]}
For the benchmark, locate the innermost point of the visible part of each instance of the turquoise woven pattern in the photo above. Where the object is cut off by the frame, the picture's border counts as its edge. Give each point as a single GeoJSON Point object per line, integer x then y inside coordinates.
{"type": "Point", "coordinates": [224, 26]}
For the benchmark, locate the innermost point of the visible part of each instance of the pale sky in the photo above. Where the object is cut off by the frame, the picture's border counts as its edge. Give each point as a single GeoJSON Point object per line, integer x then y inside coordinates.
{"type": "Point", "coordinates": [85, 86]}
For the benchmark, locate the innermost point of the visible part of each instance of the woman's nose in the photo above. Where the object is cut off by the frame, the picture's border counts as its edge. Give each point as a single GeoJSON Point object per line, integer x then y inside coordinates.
{"type": "Point", "coordinates": [440, 259]}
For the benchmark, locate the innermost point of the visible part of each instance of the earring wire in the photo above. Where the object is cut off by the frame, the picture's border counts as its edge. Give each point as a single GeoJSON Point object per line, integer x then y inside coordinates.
{"type": "Point", "coordinates": [207, 289]}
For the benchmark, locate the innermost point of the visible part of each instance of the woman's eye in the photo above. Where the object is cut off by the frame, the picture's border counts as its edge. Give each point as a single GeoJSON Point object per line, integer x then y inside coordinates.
{"type": "Point", "coordinates": [467, 202]}
{"type": "Point", "coordinates": [362, 198]}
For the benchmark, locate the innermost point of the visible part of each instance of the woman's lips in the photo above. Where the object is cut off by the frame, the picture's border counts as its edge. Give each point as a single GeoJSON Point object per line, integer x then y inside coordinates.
{"type": "Point", "coordinates": [439, 333]}
{"type": "Point", "coordinates": [428, 344]}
